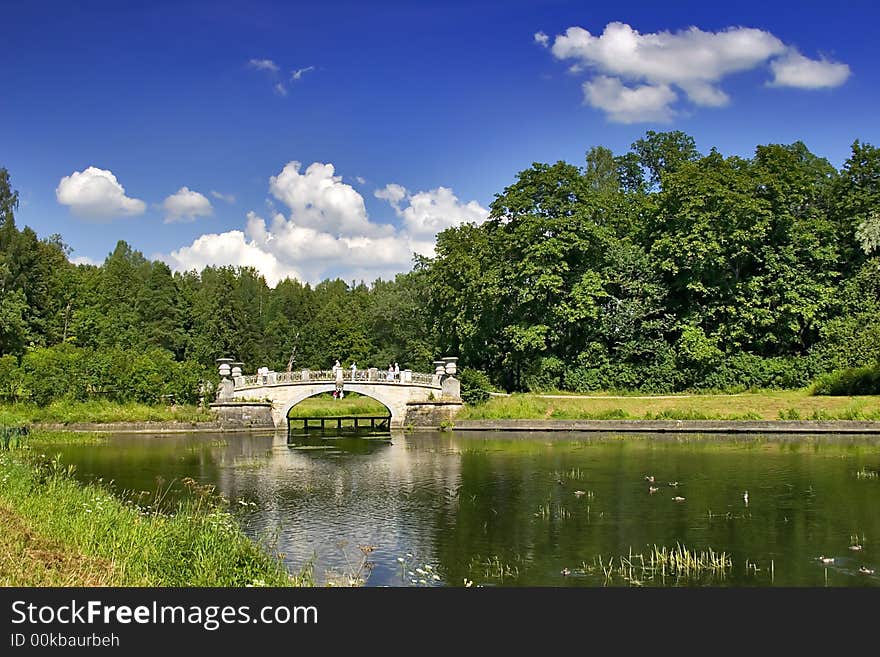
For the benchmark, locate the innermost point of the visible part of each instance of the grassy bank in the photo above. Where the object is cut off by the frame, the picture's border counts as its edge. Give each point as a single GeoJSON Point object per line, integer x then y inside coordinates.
{"type": "Point", "coordinates": [325, 406]}
{"type": "Point", "coordinates": [769, 405]}
{"type": "Point", "coordinates": [99, 411]}
{"type": "Point", "coordinates": [59, 532]}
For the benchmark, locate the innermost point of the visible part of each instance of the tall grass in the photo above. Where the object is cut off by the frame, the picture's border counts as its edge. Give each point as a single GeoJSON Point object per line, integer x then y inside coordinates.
{"type": "Point", "coordinates": [773, 405]}
{"type": "Point", "coordinates": [13, 437]}
{"type": "Point", "coordinates": [118, 543]}
{"type": "Point", "coordinates": [660, 562]}
{"type": "Point", "coordinates": [100, 411]}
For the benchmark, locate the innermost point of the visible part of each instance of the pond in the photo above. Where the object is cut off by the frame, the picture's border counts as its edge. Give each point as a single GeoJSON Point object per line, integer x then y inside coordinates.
{"type": "Point", "coordinates": [534, 509]}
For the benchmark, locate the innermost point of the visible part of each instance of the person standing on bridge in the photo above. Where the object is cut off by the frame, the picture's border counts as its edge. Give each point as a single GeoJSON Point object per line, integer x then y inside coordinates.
{"type": "Point", "coordinates": [396, 372]}
{"type": "Point", "coordinates": [337, 375]}
{"type": "Point", "coordinates": [353, 370]}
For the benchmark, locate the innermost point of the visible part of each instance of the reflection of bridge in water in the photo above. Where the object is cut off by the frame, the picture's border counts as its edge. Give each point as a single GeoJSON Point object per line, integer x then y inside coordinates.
{"type": "Point", "coordinates": [412, 398]}
{"type": "Point", "coordinates": [340, 424]}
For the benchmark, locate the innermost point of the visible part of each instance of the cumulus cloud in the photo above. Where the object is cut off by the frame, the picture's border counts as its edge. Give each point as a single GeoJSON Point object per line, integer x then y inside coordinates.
{"type": "Point", "coordinates": [328, 232]}
{"type": "Point", "coordinates": [393, 193]}
{"type": "Point", "coordinates": [85, 260]}
{"type": "Point", "coordinates": [630, 105]}
{"type": "Point", "coordinates": [230, 248]}
{"type": "Point", "coordinates": [96, 194]}
{"type": "Point", "coordinates": [635, 73]}
{"type": "Point", "coordinates": [542, 39]}
{"type": "Point", "coordinates": [185, 205]}
{"type": "Point", "coordinates": [229, 198]}
{"type": "Point", "coordinates": [795, 70]}
{"type": "Point", "coordinates": [428, 213]}
{"type": "Point", "coordinates": [264, 65]}
{"type": "Point", "coordinates": [319, 199]}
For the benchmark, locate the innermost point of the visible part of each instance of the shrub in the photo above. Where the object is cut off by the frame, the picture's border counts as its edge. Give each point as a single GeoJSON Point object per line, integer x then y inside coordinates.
{"type": "Point", "coordinates": [745, 371]}
{"type": "Point", "coordinates": [852, 381]}
{"type": "Point", "coordinates": [475, 386]}
{"type": "Point", "coordinates": [549, 375]}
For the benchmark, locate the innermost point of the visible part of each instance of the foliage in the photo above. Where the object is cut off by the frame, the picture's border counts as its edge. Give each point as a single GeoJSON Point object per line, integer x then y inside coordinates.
{"type": "Point", "coordinates": [658, 269]}
{"type": "Point", "coordinates": [475, 385]}
{"type": "Point", "coordinates": [853, 381]}
{"type": "Point", "coordinates": [766, 405]}
{"type": "Point", "coordinates": [100, 411]}
{"type": "Point", "coordinates": [102, 540]}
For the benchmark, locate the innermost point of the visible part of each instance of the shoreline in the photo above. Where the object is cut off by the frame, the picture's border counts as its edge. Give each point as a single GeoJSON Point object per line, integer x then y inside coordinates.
{"type": "Point", "coordinates": [676, 426]}
{"type": "Point", "coordinates": [143, 427]}
{"type": "Point", "coordinates": [624, 426]}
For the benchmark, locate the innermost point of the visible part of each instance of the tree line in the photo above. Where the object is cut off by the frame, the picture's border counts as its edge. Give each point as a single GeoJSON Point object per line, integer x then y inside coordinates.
{"type": "Point", "coordinates": [660, 269]}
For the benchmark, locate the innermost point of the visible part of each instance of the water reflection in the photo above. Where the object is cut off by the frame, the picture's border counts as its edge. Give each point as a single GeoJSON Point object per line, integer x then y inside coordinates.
{"type": "Point", "coordinates": [507, 509]}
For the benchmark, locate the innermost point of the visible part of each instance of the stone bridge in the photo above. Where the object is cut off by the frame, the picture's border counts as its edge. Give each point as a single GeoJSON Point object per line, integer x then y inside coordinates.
{"type": "Point", "coordinates": [412, 398]}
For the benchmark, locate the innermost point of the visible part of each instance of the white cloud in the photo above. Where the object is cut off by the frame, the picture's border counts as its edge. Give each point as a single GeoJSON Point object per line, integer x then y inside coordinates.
{"type": "Point", "coordinates": [263, 65]}
{"type": "Point", "coordinates": [230, 248]}
{"type": "Point", "coordinates": [428, 213]}
{"type": "Point", "coordinates": [96, 194]}
{"type": "Point", "coordinates": [185, 205]}
{"type": "Point", "coordinates": [630, 105]}
{"type": "Point", "coordinates": [85, 260]}
{"type": "Point", "coordinates": [319, 199]}
{"type": "Point", "coordinates": [795, 70]}
{"type": "Point", "coordinates": [393, 193]}
{"type": "Point", "coordinates": [361, 180]}
{"type": "Point", "coordinates": [542, 39]}
{"type": "Point", "coordinates": [229, 198]}
{"type": "Point", "coordinates": [280, 89]}
{"type": "Point", "coordinates": [679, 58]}
{"type": "Point", "coordinates": [328, 232]}
{"type": "Point", "coordinates": [692, 60]}
{"type": "Point", "coordinates": [298, 73]}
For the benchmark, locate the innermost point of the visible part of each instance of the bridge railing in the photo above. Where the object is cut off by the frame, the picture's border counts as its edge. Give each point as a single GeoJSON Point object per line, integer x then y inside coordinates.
{"type": "Point", "coordinates": [302, 376]}
{"type": "Point", "coordinates": [425, 379]}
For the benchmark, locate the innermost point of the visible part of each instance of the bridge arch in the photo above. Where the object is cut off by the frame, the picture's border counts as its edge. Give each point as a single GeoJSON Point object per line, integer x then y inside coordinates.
{"type": "Point", "coordinates": [372, 396]}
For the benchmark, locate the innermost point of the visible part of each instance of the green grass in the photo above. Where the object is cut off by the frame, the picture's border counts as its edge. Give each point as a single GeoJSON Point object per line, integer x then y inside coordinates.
{"type": "Point", "coordinates": [59, 532]}
{"type": "Point", "coordinates": [764, 405]}
{"type": "Point", "coordinates": [99, 412]}
{"type": "Point", "coordinates": [325, 406]}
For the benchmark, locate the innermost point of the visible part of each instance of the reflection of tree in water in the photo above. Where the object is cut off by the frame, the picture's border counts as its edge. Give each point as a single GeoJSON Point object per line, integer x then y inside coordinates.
{"type": "Point", "coordinates": [492, 509]}
{"type": "Point", "coordinates": [519, 520]}
{"type": "Point", "coordinates": [321, 446]}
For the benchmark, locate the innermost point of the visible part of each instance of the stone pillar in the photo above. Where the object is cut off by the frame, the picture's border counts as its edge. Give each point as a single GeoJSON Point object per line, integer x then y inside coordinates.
{"type": "Point", "coordinates": [406, 376]}
{"type": "Point", "coordinates": [305, 375]}
{"type": "Point", "coordinates": [451, 388]}
{"type": "Point", "coordinates": [226, 386]}
{"type": "Point", "coordinates": [373, 373]}
{"type": "Point", "coordinates": [451, 365]}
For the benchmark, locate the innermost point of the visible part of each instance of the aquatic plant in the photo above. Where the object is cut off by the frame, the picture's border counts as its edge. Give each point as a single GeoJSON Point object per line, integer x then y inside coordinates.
{"type": "Point", "coordinates": [679, 562]}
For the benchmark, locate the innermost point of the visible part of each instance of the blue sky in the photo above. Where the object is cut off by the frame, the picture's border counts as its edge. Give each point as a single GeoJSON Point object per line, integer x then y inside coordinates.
{"type": "Point", "coordinates": [433, 106]}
